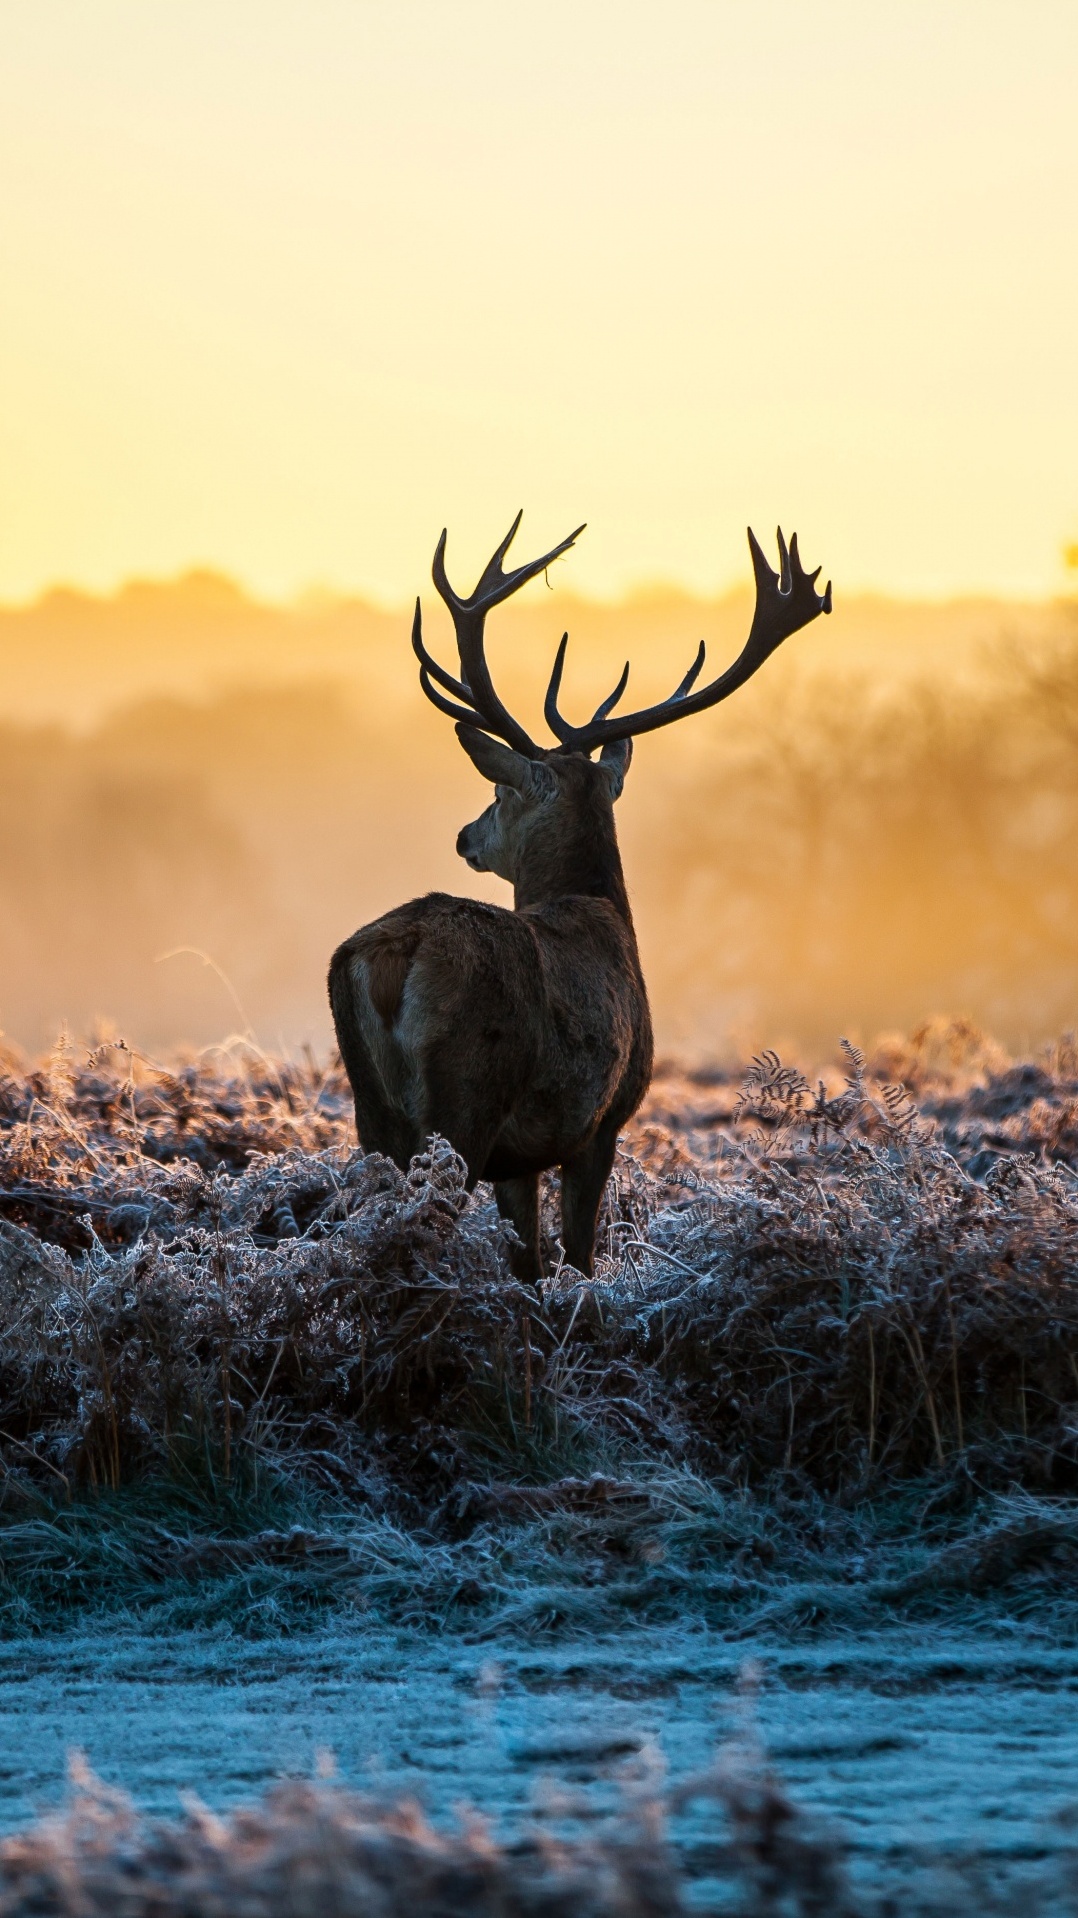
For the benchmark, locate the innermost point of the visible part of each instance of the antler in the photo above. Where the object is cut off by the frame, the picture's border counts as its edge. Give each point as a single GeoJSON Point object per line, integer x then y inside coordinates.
{"type": "Point", "coordinates": [785, 602]}
{"type": "Point", "coordinates": [474, 699]}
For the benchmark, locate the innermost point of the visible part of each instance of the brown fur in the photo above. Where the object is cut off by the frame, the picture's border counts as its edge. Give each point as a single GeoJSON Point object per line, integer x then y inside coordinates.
{"type": "Point", "coordinates": [389, 952]}
{"type": "Point", "coordinates": [523, 1037]}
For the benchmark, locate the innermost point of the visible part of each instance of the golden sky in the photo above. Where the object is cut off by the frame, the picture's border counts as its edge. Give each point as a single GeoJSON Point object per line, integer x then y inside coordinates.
{"type": "Point", "coordinates": [287, 284]}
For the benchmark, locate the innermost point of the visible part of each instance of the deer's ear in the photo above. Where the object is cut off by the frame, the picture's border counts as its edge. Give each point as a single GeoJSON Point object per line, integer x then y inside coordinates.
{"type": "Point", "coordinates": [498, 763]}
{"type": "Point", "coordinates": [614, 760]}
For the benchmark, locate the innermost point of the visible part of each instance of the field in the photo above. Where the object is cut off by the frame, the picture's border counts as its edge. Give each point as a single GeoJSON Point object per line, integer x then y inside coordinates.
{"type": "Point", "coordinates": [787, 1498]}
{"type": "Point", "coordinates": [822, 1390]}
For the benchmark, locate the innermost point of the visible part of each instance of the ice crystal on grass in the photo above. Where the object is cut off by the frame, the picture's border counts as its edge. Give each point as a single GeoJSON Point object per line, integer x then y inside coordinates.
{"type": "Point", "coordinates": [806, 1289]}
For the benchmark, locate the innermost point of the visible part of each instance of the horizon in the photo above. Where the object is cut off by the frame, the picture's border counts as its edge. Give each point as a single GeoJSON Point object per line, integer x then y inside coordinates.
{"type": "Point", "coordinates": [317, 596]}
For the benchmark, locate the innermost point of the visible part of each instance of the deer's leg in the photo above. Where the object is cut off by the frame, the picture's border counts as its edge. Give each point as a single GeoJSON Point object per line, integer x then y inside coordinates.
{"type": "Point", "coordinates": [380, 1129]}
{"type": "Point", "coordinates": [380, 1126]}
{"type": "Point", "coordinates": [583, 1180]}
{"type": "Point", "coordinates": [453, 1107]}
{"type": "Point", "coordinates": [518, 1201]}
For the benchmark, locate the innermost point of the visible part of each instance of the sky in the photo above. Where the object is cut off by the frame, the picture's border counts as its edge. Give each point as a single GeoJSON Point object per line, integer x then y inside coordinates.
{"type": "Point", "coordinates": [287, 285]}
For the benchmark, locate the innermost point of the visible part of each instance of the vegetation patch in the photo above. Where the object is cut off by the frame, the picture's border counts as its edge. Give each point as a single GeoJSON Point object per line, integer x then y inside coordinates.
{"type": "Point", "coordinates": [318, 1850]}
{"type": "Point", "coordinates": [829, 1359]}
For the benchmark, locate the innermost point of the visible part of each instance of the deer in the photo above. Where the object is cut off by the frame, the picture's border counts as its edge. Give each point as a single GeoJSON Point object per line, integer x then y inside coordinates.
{"type": "Point", "coordinates": [523, 1036]}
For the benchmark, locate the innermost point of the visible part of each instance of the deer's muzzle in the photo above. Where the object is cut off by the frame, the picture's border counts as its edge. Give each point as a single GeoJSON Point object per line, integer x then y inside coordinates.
{"type": "Point", "coordinates": [470, 847]}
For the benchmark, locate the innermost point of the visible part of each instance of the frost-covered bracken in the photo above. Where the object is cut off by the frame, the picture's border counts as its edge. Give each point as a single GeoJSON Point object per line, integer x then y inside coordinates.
{"type": "Point", "coordinates": [824, 1286]}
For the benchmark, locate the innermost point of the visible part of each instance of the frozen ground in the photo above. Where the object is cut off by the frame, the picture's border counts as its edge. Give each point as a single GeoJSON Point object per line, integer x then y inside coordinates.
{"type": "Point", "coordinates": [826, 1382]}
{"type": "Point", "coordinates": [923, 1747]}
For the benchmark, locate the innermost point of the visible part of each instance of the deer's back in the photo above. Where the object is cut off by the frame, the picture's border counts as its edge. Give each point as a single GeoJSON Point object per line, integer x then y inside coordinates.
{"type": "Point", "coordinates": [551, 998]}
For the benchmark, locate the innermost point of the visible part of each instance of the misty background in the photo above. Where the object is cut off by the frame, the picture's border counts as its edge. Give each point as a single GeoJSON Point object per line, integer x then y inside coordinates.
{"type": "Point", "coordinates": [200, 795]}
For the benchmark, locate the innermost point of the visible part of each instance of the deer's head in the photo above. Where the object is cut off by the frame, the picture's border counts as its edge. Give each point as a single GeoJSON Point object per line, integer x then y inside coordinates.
{"type": "Point", "coordinates": [552, 813]}
{"type": "Point", "coordinates": [562, 801]}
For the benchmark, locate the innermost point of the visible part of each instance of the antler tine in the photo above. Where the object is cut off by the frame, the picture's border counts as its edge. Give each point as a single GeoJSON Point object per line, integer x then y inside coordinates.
{"type": "Point", "coordinates": [475, 686]}
{"type": "Point", "coordinates": [691, 676]}
{"type": "Point", "coordinates": [558, 726]}
{"type": "Point", "coordinates": [428, 664]}
{"type": "Point", "coordinates": [763, 573]}
{"type": "Point", "coordinates": [432, 676]}
{"type": "Point", "coordinates": [611, 699]}
{"type": "Point", "coordinates": [572, 736]}
{"type": "Point", "coordinates": [494, 585]}
{"type": "Point", "coordinates": [784, 560]}
{"type": "Point", "coordinates": [811, 577]}
{"type": "Point", "coordinates": [469, 616]}
{"type": "Point", "coordinates": [467, 715]}
{"type": "Point", "coordinates": [492, 569]}
{"type": "Point", "coordinates": [785, 601]}
{"type": "Point", "coordinates": [561, 728]}
{"type": "Point", "coordinates": [490, 575]}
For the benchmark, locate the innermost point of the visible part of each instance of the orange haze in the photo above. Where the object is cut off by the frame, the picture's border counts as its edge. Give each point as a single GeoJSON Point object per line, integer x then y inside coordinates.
{"type": "Point", "coordinates": [879, 828]}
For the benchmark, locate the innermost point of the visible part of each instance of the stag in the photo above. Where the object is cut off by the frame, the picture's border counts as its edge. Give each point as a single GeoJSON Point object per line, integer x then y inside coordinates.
{"type": "Point", "coordinates": [524, 1037]}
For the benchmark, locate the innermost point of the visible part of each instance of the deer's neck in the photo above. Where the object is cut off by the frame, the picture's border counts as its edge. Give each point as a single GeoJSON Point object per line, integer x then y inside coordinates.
{"type": "Point", "coordinates": [585, 860]}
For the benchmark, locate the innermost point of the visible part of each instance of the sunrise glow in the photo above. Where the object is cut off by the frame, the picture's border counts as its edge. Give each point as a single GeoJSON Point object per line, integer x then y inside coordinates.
{"type": "Point", "coordinates": [286, 287]}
